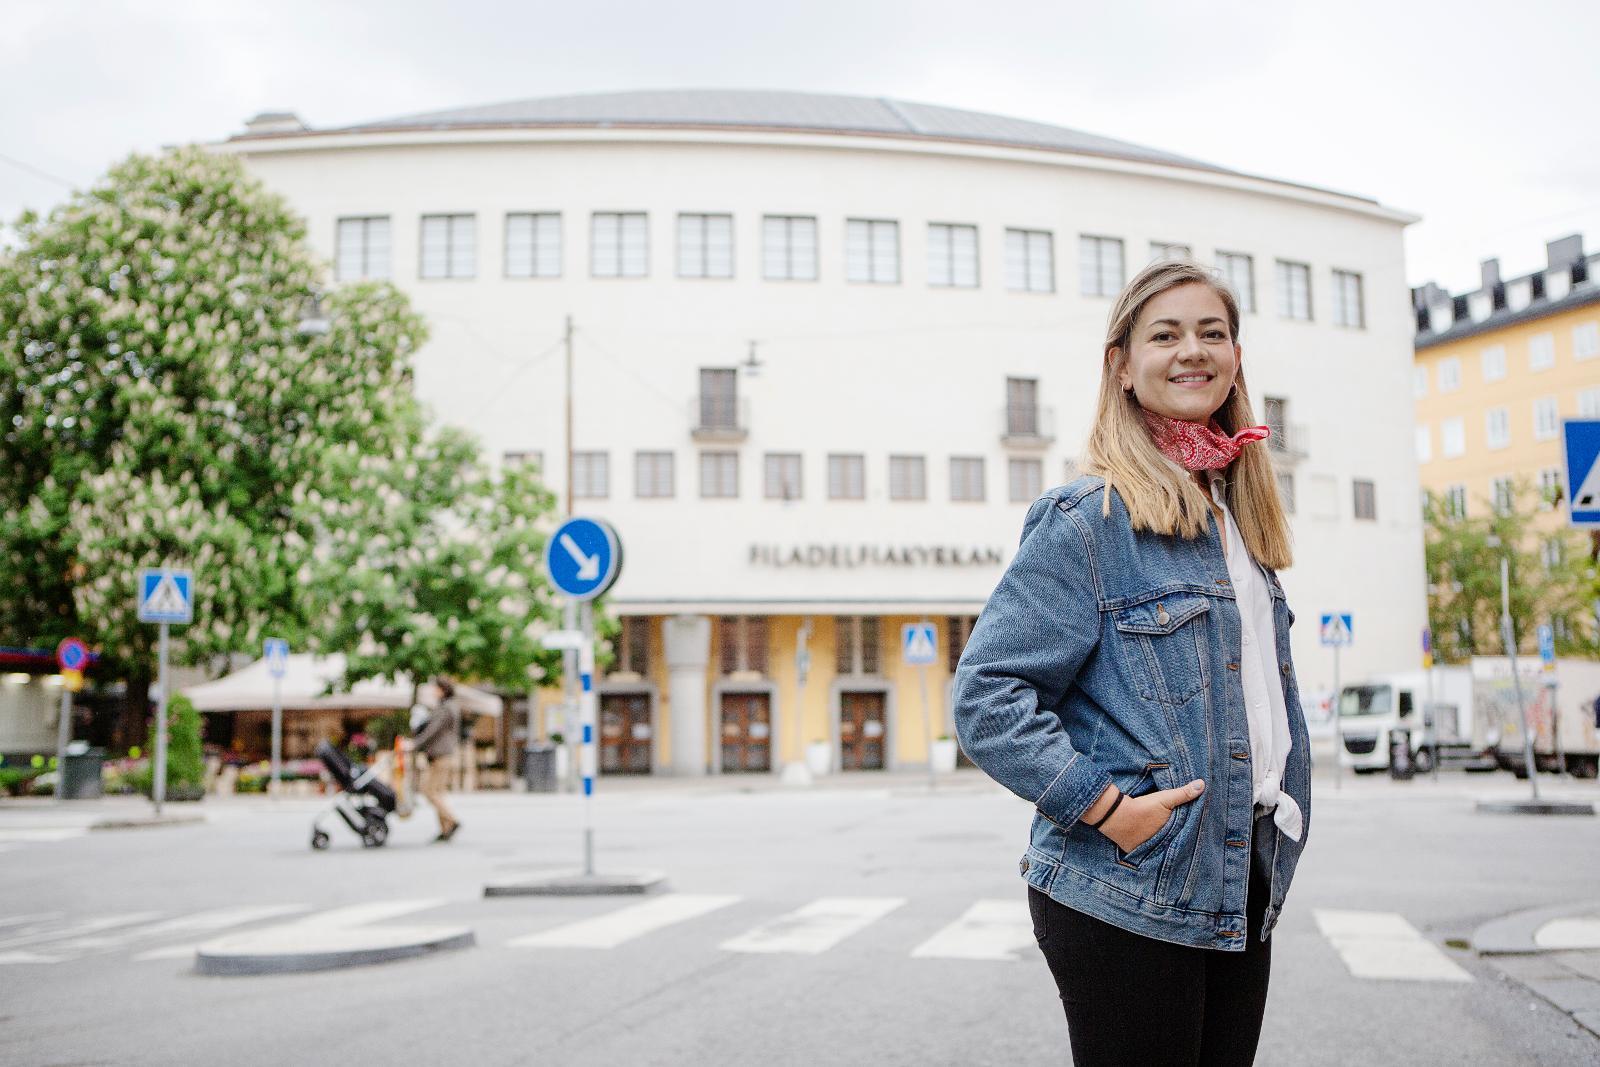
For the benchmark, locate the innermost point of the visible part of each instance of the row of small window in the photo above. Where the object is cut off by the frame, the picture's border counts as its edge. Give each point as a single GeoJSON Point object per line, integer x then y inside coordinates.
{"type": "Point", "coordinates": [1497, 426]}
{"type": "Point", "coordinates": [1502, 494]}
{"type": "Point", "coordinates": [1541, 356]}
{"type": "Point", "coordinates": [619, 244]}
{"type": "Point", "coordinates": [654, 476]}
{"type": "Point", "coordinates": [1324, 503]}
{"type": "Point", "coordinates": [744, 643]}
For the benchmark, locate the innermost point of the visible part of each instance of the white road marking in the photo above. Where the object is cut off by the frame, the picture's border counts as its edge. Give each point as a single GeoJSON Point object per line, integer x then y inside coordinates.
{"type": "Point", "coordinates": [52, 833]}
{"type": "Point", "coordinates": [8, 958]}
{"type": "Point", "coordinates": [816, 927]}
{"type": "Point", "coordinates": [203, 922]}
{"type": "Point", "coordinates": [88, 926]}
{"type": "Point", "coordinates": [1580, 933]}
{"type": "Point", "coordinates": [25, 920]}
{"type": "Point", "coordinates": [361, 914]}
{"type": "Point", "coordinates": [990, 930]}
{"type": "Point", "coordinates": [618, 927]}
{"type": "Point", "coordinates": [1381, 944]}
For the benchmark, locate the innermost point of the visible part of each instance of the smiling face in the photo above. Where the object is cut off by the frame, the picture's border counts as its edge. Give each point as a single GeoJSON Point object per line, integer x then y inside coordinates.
{"type": "Point", "coordinates": [1181, 358]}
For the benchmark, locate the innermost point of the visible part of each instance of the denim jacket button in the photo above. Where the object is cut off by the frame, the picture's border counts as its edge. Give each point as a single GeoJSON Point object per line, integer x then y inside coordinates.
{"type": "Point", "coordinates": [1022, 866]}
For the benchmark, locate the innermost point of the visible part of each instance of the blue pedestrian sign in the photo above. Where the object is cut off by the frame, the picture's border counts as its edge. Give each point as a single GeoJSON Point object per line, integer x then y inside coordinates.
{"type": "Point", "coordinates": [1547, 646]}
{"type": "Point", "coordinates": [919, 643]}
{"type": "Point", "coordinates": [583, 558]}
{"type": "Point", "coordinates": [1581, 446]}
{"type": "Point", "coordinates": [276, 651]}
{"type": "Point", "coordinates": [166, 595]}
{"type": "Point", "coordinates": [1338, 629]}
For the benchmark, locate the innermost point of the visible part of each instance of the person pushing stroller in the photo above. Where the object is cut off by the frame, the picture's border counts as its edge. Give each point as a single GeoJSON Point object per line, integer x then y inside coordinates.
{"type": "Point", "coordinates": [436, 739]}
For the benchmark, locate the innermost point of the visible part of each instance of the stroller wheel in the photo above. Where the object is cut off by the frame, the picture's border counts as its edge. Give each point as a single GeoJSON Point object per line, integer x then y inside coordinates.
{"type": "Point", "coordinates": [376, 833]}
{"type": "Point", "coordinates": [319, 839]}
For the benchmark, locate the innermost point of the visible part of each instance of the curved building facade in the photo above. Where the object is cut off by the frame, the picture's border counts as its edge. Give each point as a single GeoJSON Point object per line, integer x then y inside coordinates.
{"type": "Point", "coordinates": [826, 350]}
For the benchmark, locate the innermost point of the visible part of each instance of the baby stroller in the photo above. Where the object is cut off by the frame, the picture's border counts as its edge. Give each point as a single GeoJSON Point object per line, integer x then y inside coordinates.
{"type": "Point", "coordinates": [363, 802]}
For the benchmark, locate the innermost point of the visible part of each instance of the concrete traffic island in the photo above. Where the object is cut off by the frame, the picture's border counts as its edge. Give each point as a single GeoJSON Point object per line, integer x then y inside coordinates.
{"type": "Point", "coordinates": [578, 884]}
{"type": "Point", "coordinates": [331, 940]}
{"type": "Point", "coordinates": [1535, 807]}
{"type": "Point", "coordinates": [1554, 952]}
{"type": "Point", "coordinates": [146, 822]}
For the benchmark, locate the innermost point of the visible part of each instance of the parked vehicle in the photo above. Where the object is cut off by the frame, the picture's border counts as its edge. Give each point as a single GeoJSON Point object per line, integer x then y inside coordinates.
{"type": "Point", "coordinates": [1429, 713]}
{"type": "Point", "coordinates": [1560, 709]}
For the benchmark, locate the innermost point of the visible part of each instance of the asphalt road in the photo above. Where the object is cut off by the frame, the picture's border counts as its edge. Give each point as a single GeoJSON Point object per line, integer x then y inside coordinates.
{"type": "Point", "coordinates": [742, 964]}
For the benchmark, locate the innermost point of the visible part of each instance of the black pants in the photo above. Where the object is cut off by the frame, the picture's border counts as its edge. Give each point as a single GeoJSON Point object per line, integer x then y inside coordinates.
{"type": "Point", "coordinates": [1134, 1000]}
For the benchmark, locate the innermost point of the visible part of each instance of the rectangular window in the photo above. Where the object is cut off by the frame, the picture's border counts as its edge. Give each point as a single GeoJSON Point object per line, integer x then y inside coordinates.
{"type": "Point", "coordinates": [591, 475]}
{"type": "Point", "coordinates": [966, 479]}
{"type": "Point", "coordinates": [1030, 261]}
{"type": "Point", "coordinates": [959, 627]}
{"type": "Point", "coordinates": [1324, 496]}
{"type": "Point", "coordinates": [1022, 407]}
{"type": "Point", "coordinates": [1497, 428]}
{"type": "Point", "coordinates": [533, 245]}
{"type": "Point", "coordinates": [1419, 382]}
{"type": "Point", "coordinates": [719, 475]}
{"type": "Point", "coordinates": [1503, 495]}
{"type": "Point", "coordinates": [1449, 374]}
{"type": "Point", "coordinates": [789, 248]}
{"type": "Point", "coordinates": [1099, 266]}
{"type": "Point", "coordinates": [619, 244]}
{"type": "Point", "coordinates": [1550, 488]}
{"type": "Point", "coordinates": [1026, 477]}
{"type": "Point", "coordinates": [449, 246]}
{"type": "Point", "coordinates": [782, 476]}
{"type": "Point", "coordinates": [908, 478]}
{"type": "Point", "coordinates": [1551, 553]}
{"type": "Point", "coordinates": [1276, 409]}
{"type": "Point", "coordinates": [1455, 501]}
{"type": "Point", "coordinates": [1452, 438]}
{"type": "Point", "coordinates": [523, 458]}
{"type": "Point", "coordinates": [1586, 340]}
{"type": "Point", "coordinates": [1364, 498]}
{"type": "Point", "coordinates": [362, 249]}
{"type": "Point", "coordinates": [1286, 491]}
{"type": "Point", "coordinates": [1542, 351]}
{"type": "Point", "coordinates": [1294, 290]}
{"type": "Point", "coordinates": [633, 645]}
{"type": "Point", "coordinates": [705, 246]}
{"type": "Point", "coordinates": [719, 398]}
{"type": "Point", "coordinates": [952, 255]}
{"type": "Point", "coordinates": [872, 251]}
{"type": "Point", "coordinates": [742, 641]}
{"type": "Point", "coordinates": [1546, 419]}
{"type": "Point", "coordinates": [1494, 363]}
{"type": "Point", "coordinates": [1163, 250]}
{"type": "Point", "coordinates": [1424, 443]}
{"type": "Point", "coordinates": [1589, 403]}
{"type": "Point", "coordinates": [856, 644]}
{"type": "Point", "coordinates": [847, 476]}
{"type": "Point", "coordinates": [1347, 306]}
{"type": "Point", "coordinates": [1240, 273]}
{"type": "Point", "coordinates": [653, 475]}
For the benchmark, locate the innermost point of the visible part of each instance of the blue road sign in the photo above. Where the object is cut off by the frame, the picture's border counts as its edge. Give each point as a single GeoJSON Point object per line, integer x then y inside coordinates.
{"type": "Point", "coordinates": [1338, 629]}
{"type": "Point", "coordinates": [919, 643]}
{"type": "Point", "coordinates": [1581, 446]}
{"type": "Point", "coordinates": [583, 558]}
{"type": "Point", "coordinates": [1547, 645]}
{"type": "Point", "coordinates": [72, 654]}
{"type": "Point", "coordinates": [276, 651]}
{"type": "Point", "coordinates": [166, 595]}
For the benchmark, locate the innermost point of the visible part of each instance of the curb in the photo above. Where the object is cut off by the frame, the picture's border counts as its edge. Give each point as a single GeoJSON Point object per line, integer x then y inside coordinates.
{"type": "Point", "coordinates": [253, 954]}
{"type": "Point", "coordinates": [1513, 935]}
{"type": "Point", "coordinates": [146, 822]}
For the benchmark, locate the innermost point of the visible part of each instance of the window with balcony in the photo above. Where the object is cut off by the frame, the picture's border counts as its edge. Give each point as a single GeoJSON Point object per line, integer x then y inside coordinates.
{"type": "Point", "coordinates": [1364, 499]}
{"type": "Point", "coordinates": [1286, 491]}
{"type": "Point", "coordinates": [1022, 407]}
{"type": "Point", "coordinates": [952, 256]}
{"type": "Point", "coordinates": [789, 248]}
{"type": "Point", "coordinates": [362, 248]}
{"type": "Point", "coordinates": [719, 400]}
{"type": "Point", "coordinates": [1030, 261]}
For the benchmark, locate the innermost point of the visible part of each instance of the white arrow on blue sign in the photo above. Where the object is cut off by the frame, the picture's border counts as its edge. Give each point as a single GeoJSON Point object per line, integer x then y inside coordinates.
{"type": "Point", "coordinates": [166, 595]}
{"type": "Point", "coordinates": [1581, 441]}
{"type": "Point", "coordinates": [919, 642]}
{"type": "Point", "coordinates": [1547, 644]}
{"type": "Point", "coordinates": [583, 558]}
{"type": "Point", "coordinates": [1338, 629]}
{"type": "Point", "coordinates": [276, 650]}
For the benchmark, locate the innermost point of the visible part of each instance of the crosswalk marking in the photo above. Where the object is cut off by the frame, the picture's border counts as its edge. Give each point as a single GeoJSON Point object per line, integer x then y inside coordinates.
{"type": "Point", "coordinates": [49, 833]}
{"type": "Point", "coordinates": [1381, 944]}
{"type": "Point", "coordinates": [88, 926]}
{"type": "Point", "coordinates": [989, 930]}
{"type": "Point", "coordinates": [617, 927]}
{"type": "Point", "coordinates": [816, 927]}
{"type": "Point", "coordinates": [203, 922]}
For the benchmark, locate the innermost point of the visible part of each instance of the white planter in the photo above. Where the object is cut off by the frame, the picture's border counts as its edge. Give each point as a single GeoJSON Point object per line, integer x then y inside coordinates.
{"type": "Point", "coordinates": [819, 758]}
{"type": "Point", "coordinates": [943, 755]}
{"type": "Point", "coordinates": [563, 764]}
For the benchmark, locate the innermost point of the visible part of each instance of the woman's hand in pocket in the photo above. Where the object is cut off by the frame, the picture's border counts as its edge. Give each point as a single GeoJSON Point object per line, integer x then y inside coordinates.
{"type": "Point", "coordinates": [1138, 819]}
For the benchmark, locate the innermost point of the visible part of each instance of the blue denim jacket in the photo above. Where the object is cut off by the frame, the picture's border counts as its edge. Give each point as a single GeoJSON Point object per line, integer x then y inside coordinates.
{"type": "Point", "coordinates": [1109, 655]}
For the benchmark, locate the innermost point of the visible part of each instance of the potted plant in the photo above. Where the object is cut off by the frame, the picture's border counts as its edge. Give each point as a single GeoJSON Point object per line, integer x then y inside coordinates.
{"type": "Point", "coordinates": [942, 753]}
{"type": "Point", "coordinates": [819, 757]}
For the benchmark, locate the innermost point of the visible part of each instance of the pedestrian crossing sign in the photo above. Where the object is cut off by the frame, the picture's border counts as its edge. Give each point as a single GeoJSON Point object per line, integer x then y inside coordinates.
{"type": "Point", "coordinates": [1338, 629]}
{"type": "Point", "coordinates": [920, 643]}
{"type": "Point", "coordinates": [1582, 440]}
{"type": "Point", "coordinates": [166, 595]}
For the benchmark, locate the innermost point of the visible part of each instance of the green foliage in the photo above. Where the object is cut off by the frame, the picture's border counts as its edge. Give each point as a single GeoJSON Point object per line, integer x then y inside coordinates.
{"type": "Point", "coordinates": [186, 762]}
{"type": "Point", "coordinates": [382, 730]}
{"type": "Point", "coordinates": [1547, 585]}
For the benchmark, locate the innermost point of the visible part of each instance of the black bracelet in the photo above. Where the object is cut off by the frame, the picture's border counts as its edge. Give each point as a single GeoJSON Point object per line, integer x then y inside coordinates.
{"type": "Point", "coordinates": [1102, 820]}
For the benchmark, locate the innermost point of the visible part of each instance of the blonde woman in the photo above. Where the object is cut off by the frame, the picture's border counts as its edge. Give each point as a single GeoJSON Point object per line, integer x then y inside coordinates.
{"type": "Point", "coordinates": [1130, 677]}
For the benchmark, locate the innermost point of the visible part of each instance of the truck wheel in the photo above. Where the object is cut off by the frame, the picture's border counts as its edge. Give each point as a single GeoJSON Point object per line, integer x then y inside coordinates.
{"type": "Point", "coordinates": [1583, 766]}
{"type": "Point", "coordinates": [1422, 760]}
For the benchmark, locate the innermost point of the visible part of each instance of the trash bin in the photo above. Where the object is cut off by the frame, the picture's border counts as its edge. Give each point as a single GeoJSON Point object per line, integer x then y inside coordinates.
{"type": "Point", "coordinates": [80, 774]}
{"type": "Point", "coordinates": [539, 767]}
{"type": "Point", "coordinates": [1400, 765]}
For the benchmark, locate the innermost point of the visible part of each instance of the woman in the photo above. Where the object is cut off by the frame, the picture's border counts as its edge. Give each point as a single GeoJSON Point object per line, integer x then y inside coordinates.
{"type": "Point", "coordinates": [1130, 676]}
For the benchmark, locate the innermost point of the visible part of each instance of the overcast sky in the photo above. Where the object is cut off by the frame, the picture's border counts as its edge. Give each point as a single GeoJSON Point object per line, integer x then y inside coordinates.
{"type": "Point", "coordinates": [1477, 116]}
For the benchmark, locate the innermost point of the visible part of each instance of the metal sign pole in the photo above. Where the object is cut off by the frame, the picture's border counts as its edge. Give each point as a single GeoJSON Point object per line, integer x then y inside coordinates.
{"type": "Point", "coordinates": [569, 693]}
{"type": "Point", "coordinates": [1507, 636]}
{"type": "Point", "coordinates": [277, 733]}
{"type": "Point", "coordinates": [159, 789]}
{"type": "Point", "coordinates": [927, 725]}
{"type": "Point", "coordinates": [63, 736]}
{"type": "Point", "coordinates": [1338, 737]}
{"type": "Point", "coordinates": [587, 711]}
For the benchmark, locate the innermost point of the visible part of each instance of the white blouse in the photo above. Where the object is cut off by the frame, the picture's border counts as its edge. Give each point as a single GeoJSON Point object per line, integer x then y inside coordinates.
{"type": "Point", "coordinates": [1258, 670]}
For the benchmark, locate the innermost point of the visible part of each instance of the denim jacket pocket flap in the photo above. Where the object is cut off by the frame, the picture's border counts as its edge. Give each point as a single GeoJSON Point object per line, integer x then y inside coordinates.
{"type": "Point", "coordinates": [1161, 616]}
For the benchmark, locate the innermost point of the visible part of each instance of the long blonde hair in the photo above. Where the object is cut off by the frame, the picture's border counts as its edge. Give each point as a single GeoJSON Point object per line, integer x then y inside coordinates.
{"type": "Point", "coordinates": [1160, 496]}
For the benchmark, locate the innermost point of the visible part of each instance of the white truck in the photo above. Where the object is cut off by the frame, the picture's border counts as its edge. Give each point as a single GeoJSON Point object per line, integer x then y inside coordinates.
{"type": "Point", "coordinates": [1561, 712]}
{"type": "Point", "coordinates": [1431, 713]}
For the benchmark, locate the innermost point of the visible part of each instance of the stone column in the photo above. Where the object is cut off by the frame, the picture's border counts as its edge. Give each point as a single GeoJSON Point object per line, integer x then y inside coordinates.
{"type": "Point", "coordinates": [687, 640]}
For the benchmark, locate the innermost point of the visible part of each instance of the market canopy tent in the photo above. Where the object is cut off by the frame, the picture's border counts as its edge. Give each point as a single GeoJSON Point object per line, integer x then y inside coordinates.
{"type": "Point", "coordinates": [305, 688]}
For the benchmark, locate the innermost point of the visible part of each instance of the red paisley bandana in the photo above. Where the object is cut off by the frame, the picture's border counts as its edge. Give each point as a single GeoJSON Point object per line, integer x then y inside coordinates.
{"type": "Point", "coordinates": [1199, 448]}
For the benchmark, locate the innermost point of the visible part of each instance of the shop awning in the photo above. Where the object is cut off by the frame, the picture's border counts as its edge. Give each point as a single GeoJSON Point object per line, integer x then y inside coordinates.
{"type": "Point", "coordinates": [304, 688]}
